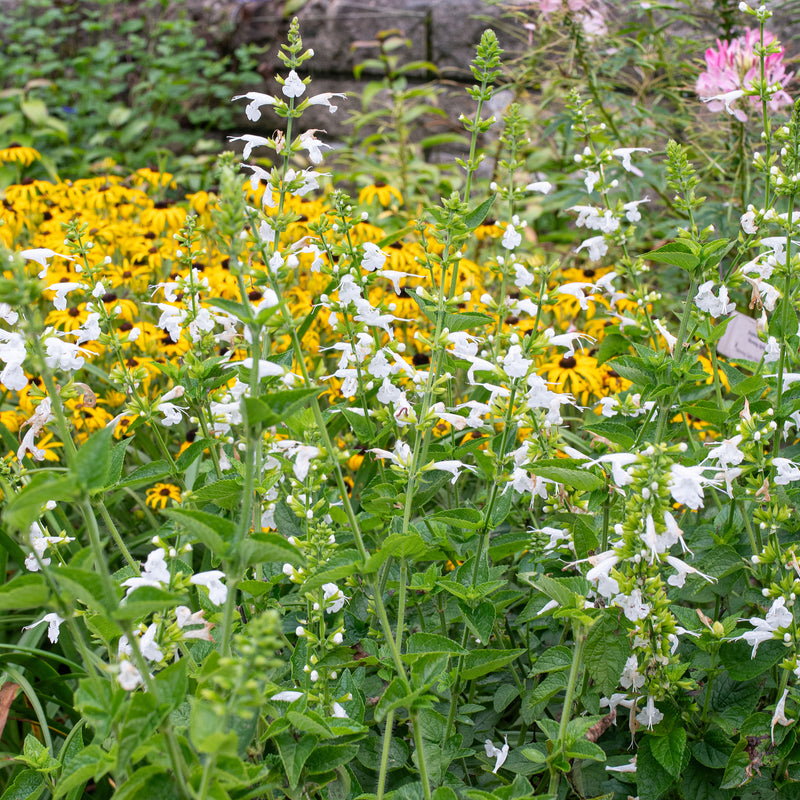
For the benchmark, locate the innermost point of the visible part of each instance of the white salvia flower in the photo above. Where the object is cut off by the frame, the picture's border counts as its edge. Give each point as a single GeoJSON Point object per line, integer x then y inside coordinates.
{"type": "Point", "coordinates": [715, 306]}
{"type": "Point", "coordinates": [682, 569]}
{"type": "Point", "coordinates": [632, 213]}
{"type": "Point", "coordinates": [727, 452]}
{"type": "Point", "coordinates": [309, 142]}
{"type": "Point", "coordinates": [668, 337]}
{"type": "Point", "coordinates": [601, 572]}
{"type": "Point", "coordinates": [257, 100]}
{"type": "Point", "coordinates": [631, 678]}
{"type": "Point", "coordinates": [514, 364]}
{"type": "Point", "coordinates": [686, 485]}
{"type": "Point", "coordinates": [596, 247]}
{"type": "Point", "coordinates": [590, 181]}
{"type": "Point", "coordinates": [287, 696]}
{"type": "Point", "coordinates": [147, 644]}
{"type": "Point", "coordinates": [325, 100]}
{"type": "Point", "coordinates": [624, 155]}
{"type": "Point", "coordinates": [499, 754]}
{"type": "Point", "coordinates": [53, 625]}
{"type": "Point", "coordinates": [631, 765]}
{"type": "Point", "coordinates": [63, 355]}
{"type": "Point", "coordinates": [649, 715]}
{"type": "Point", "coordinates": [12, 352]}
{"type": "Point", "coordinates": [779, 717]}
{"type": "Point", "coordinates": [374, 258]}
{"type": "Point", "coordinates": [338, 711]}
{"type": "Point", "coordinates": [333, 597]}
{"type": "Point", "coordinates": [772, 352]}
{"type": "Point", "coordinates": [129, 677]}
{"type": "Point", "coordinates": [543, 187]}
{"type": "Point", "coordinates": [217, 591]}
{"type": "Point", "coordinates": [155, 573]}
{"type": "Point", "coordinates": [748, 222]}
{"type": "Point", "coordinates": [787, 471]}
{"type": "Point", "coordinates": [728, 99]}
{"type": "Point", "coordinates": [777, 617]}
{"type": "Point", "coordinates": [577, 289]}
{"type": "Point", "coordinates": [293, 86]}
{"type": "Point", "coordinates": [455, 468]}
{"type": "Point", "coordinates": [250, 141]}
{"type": "Point", "coordinates": [40, 255]}
{"type": "Point", "coordinates": [511, 238]}
{"type": "Point", "coordinates": [184, 617]}
{"type": "Point", "coordinates": [633, 606]}
{"type": "Point", "coordinates": [61, 290]}
{"type": "Point", "coordinates": [7, 314]}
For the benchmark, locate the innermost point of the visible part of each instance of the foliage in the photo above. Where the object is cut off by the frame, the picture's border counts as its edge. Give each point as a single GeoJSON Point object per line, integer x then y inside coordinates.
{"type": "Point", "coordinates": [314, 497]}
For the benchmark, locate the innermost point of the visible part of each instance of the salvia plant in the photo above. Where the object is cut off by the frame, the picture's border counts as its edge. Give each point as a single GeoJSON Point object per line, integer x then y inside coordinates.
{"type": "Point", "coordinates": [302, 501]}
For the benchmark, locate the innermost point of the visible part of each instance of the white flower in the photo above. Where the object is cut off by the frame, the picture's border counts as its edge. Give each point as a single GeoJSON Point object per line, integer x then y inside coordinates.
{"type": "Point", "coordinates": [748, 222]}
{"type": "Point", "coordinates": [788, 471]}
{"type": "Point", "coordinates": [184, 617]}
{"type": "Point", "coordinates": [250, 141]}
{"type": "Point", "coordinates": [631, 678]}
{"type": "Point", "coordinates": [334, 599]}
{"type": "Point", "coordinates": [309, 142]}
{"type": "Point", "coordinates": [668, 337]}
{"type": "Point", "coordinates": [61, 290]}
{"type": "Point", "coordinates": [325, 100]}
{"type": "Point", "coordinates": [455, 468]}
{"type": "Point", "coordinates": [53, 625]}
{"type": "Point", "coordinates": [779, 717]}
{"type": "Point", "coordinates": [624, 155]}
{"type": "Point", "coordinates": [543, 187]}
{"type": "Point", "coordinates": [40, 256]}
{"type": "Point", "coordinates": [633, 606]}
{"type": "Point", "coordinates": [686, 485]}
{"type": "Point", "coordinates": [147, 644]}
{"type": "Point", "coordinates": [777, 617]}
{"type": "Point", "coordinates": [63, 355]}
{"type": "Point", "coordinates": [155, 573]}
{"type": "Point", "coordinates": [600, 572]}
{"type": "Point", "coordinates": [511, 238]}
{"type": "Point", "coordinates": [649, 715]}
{"type": "Point", "coordinates": [715, 306]}
{"type": "Point", "coordinates": [217, 591]}
{"type": "Point", "coordinates": [374, 258]}
{"type": "Point", "coordinates": [596, 246]}
{"type": "Point", "coordinates": [287, 696]}
{"type": "Point", "coordinates": [728, 99]}
{"type": "Point", "coordinates": [293, 86]}
{"type": "Point", "coordinates": [632, 213]}
{"type": "Point", "coordinates": [727, 453]}
{"type": "Point", "coordinates": [682, 569]}
{"type": "Point", "coordinates": [499, 754]}
{"type": "Point", "coordinates": [257, 99]}
{"type": "Point", "coordinates": [514, 365]}
{"type": "Point", "coordinates": [129, 677]}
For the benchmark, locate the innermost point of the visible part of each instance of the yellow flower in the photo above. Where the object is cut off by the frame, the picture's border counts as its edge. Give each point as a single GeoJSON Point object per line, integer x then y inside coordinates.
{"type": "Point", "coordinates": [381, 192]}
{"type": "Point", "coordinates": [159, 494]}
{"type": "Point", "coordinates": [20, 154]}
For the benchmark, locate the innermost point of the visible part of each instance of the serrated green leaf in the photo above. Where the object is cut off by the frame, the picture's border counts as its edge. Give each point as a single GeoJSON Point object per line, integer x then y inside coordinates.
{"type": "Point", "coordinates": [481, 662]}
{"type": "Point", "coordinates": [24, 591]}
{"type": "Point", "coordinates": [677, 254]}
{"type": "Point", "coordinates": [606, 651]}
{"type": "Point", "coordinates": [669, 750]}
{"type": "Point", "coordinates": [93, 460]}
{"type": "Point", "coordinates": [265, 548]}
{"type": "Point", "coordinates": [433, 643]}
{"type": "Point", "coordinates": [561, 471]}
{"type": "Point", "coordinates": [213, 531]}
{"type": "Point", "coordinates": [226, 493]}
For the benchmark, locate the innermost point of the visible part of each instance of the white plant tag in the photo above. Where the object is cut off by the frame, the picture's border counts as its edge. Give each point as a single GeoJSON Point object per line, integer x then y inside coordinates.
{"type": "Point", "coordinates": [740, 340]}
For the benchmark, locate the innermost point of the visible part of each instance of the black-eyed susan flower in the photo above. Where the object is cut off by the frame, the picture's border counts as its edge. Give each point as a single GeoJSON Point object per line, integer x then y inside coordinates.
{"type": "Point", "coordinates": [381, 192]}
{"type": "Point", "coordinates": [17, 153]}
{"type": "Point", "coordinates": [159, 495]}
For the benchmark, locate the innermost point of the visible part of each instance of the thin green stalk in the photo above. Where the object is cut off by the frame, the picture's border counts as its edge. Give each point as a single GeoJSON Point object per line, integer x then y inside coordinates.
{"type": "Point", "coordinates": [387, 742]}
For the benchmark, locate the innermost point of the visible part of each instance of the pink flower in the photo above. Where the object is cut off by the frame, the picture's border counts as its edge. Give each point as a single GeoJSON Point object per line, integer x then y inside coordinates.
{"type": "Point", "coordinates": [733, 67]}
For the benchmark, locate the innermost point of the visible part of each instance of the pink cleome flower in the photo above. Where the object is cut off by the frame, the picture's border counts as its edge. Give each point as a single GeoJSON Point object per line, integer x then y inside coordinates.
{"type": "Point", "coordinates": [731, 70]}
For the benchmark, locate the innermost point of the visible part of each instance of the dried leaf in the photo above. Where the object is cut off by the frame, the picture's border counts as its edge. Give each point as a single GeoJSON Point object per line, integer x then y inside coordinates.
{"type": "Point", "coordinates": [8, 693]}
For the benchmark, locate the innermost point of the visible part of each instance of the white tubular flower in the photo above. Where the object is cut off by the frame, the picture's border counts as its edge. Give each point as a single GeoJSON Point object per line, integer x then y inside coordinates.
{"type": "Point", "coordinates": [511, 238]}
{"type": "Point", "coordinates": [287, 696]}
{"type": "Point", "coordinates": [779, 717]}
{"type": "Point", "coordinates": [217, 591]}
{"type": "Point", "coordinates": [498, 754]}
{"type": "Point", "coordinates": [40, 255]}
{"type": "Point", "coordinates": [596, 247]}
{"type": "Point", "coordinates": [631, 678]}
{"type": "Point", "coordinates": [601, 574]}
{"type": "Point", "coordinates": [325, 100]}
{"type": "Point", "coordinates": [682, 569]}
{"type": "Point", "coordinates": [250, 141]}
{"type": "Point", "coordinates": [184, 617]}
{"type": "Point", "coordinates": [63, 355]}
{"type": "Point", "coordinates": [293, 85]}
{"type": "Point", "coordinates": [314, 146]}
{"type": "Point", "coordinates": [374, 258]}
{"type": "Point", "coordinates": [624, 155]}
{"type": "Point", "coordinates": [715, 306]}
{"type": "Point", "coordinates": [686, 485]}
{"type": "Point", "coordinates": [333, 597]}
{"type": "Point", "coordinates": [455, 468]}
{"type": "Point", "coordinates": [128, 677]}
{"type": "Point", "coordinates": [543, 187]}
{"type": "Point", "coordinates": [155, 573]}
{"type": "Point", "coordinates": [257, 100]}
{"type": "Point", "coordinates": [649, 715]}
{"type": "Point", "coordinates": [748, 221]}
{"type": "Point", "coordinates": [668, 337]}
{"type": "Point", "coordinates": [727, 452]}
{"type": "Point", "coordinates": [777, 617]}
{"type": "Point", "coordinates": [787, 471]}
{"type": "Point", "coordinates": [61, 290]}
{"type": "Point", "coordinates": [53, 625]}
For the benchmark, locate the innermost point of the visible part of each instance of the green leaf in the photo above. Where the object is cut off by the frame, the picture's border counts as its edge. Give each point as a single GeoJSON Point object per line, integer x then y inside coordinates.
{"type": "Point", "coordinates": [614, 344]}
{"type": "Point", "coordinates": [310, 722]}
{"type": "Point", "coordinates": [213, 531]}
{"type": "Point", "coordinates": [634, 369]}
{"type": "Point", "coordinates": [277, 407]}
{"type": "Point", "coordinates": [479, 214]}
{"type": "Point", "coordinates": [28, 785]}
{"type": "Point", "coordinates": [736, 770]}
{"type": "Point", "coordinates": [465, 518]}
{"type": "Point", "coordinates": [147, 473]}
{"type": "Point", "coordinates": [480, 620]}
{"type": "Point", "coordinates": [735, 657]}
{"type": "Point", "coordinates": [669, 750]}
{"type": "Point", "coordinates": [91, 763]}
{"type": "Point", "coordinates": [93, 460]}
{"type": "Point", "coordinates": [330, 756]}
{"type": "Point", "coordinates": [264, 548]}
{"type": "Point", "coordinates": [706, 411]}
{"type": "Point", "coordinates": [561, 470]}
{"type": "Point", "coordinates": [146, 600]}
{"type": "Point", "coordinates": [26, 506]}
{"type": "Point", "coordinates": [116, 462]}
{"type": "Point", "coordinates": [466, 320]}
{"type": "Point", "coordinates": [241, 311]}
{"type": "Point", "coordinates": [618, 432]}
{"type": "Point", "coordinates": [713, 750]}
{"type": "Point", "coordinates": [677, 254]}
{"type": "Point", "coordinates": [226, 493]}
{"type": "Point", "coordinates": [205, 732]}
{"type": "Point", "coordinates": [553, 659]}
{"type": "Point", "coordinates": [28, 590]}
{"type": "Point", "coordinates": [482, 662]}
{"type": "Point", "coordinates": [776, 327]}
{"type": "Point", "coordinates": [732, 701]}
{"type": "Point", "coordinates": [294, 754]}
{"type": "Point", "coordinates": [652, 780]}
{"type": "Point", "coordinates": [191, 453]}
{"type": "Point", "coordinates": [395, 696]}
{"type": "Point", "coordinates": [606, 651]}
{"type": "Point", "coordinates": [88, 587]}
{"type": "Point", "coordinates": [583, 748]}
{"type": "Point", "coordinates": [433, 643]}
{"type": "Point", "coordinates": [173, 684]}
{"type": "Point", "coordinates": [35, 110]}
